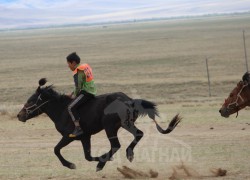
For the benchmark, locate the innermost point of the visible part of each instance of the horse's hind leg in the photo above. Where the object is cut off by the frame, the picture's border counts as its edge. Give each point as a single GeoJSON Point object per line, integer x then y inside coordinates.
{"type": "Point", "coordinates": [87, 149]}
{"type": "Point", "coordinates": [64, 142]}
{"type": "Point", "coordinates": [111, 131]}
{"type": "Point", "coordinates": [137, 133]}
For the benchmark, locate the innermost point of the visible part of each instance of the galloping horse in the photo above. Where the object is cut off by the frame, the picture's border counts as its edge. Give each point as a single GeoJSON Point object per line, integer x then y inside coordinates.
{"type": "Point", "coordinates": [108, 112]}
{"type": "Point", "coordinates": [238, 99]}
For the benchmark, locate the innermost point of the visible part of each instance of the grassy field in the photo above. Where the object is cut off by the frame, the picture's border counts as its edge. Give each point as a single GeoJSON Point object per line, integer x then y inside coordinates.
{"type": "Point", "coordinates": [162, 61]}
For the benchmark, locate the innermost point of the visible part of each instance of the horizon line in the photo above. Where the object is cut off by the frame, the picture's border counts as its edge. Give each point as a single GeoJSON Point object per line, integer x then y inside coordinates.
{"type": "Point", "coordinates": [125, 21]}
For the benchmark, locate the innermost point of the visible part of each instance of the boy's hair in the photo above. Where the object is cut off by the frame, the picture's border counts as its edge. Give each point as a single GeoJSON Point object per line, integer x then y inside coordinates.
{"type": "Point", "coordinates": [73, 57]}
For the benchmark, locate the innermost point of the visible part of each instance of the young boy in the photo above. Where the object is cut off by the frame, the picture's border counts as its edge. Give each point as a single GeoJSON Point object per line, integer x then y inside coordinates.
{"type": "Point", "coordinates": [85, 89]}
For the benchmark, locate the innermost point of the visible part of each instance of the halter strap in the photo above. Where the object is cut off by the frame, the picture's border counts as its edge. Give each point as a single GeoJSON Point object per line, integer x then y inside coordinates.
{"type": "Point", "coordinates": [35, 105]}
{"type": "Point", "coordinates": [238, 97]}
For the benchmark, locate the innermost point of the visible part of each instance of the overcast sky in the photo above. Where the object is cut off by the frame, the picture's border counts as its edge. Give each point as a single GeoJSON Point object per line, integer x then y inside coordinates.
{"type": "Point", "coordinates": [33, 13]}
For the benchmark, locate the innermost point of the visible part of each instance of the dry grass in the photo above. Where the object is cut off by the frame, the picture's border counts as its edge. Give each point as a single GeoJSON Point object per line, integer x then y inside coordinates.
{"type": "Point", "coordinates": [163, 61]}
{"type": "Point", "coordinates": [159, 61]}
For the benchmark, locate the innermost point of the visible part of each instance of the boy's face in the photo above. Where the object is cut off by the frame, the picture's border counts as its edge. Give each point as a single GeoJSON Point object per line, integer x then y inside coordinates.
{"type": "Point", "coordinates": [72, 65]}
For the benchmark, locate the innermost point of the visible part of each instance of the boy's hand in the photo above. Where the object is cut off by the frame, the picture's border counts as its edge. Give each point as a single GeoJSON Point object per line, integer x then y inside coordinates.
{"type": "Point", "coordinates": [71, 96]}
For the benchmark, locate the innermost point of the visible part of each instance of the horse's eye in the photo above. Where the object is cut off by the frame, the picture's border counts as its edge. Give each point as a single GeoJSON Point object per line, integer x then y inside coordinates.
{"type": "Point", "coordinates": [30, 102]}
{"type": "Point", "coordinates": [231, 95]}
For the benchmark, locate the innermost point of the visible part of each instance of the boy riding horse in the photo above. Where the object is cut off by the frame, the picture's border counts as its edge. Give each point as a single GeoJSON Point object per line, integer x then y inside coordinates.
{"type": "Point", "coordinates": [85, 89]}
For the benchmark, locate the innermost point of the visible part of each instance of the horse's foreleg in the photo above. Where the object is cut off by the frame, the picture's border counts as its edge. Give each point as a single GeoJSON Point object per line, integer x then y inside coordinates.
{"type": "Point", "coordinates": [86, 144]}
{"type": "Point", "coordinates": [64, 142]}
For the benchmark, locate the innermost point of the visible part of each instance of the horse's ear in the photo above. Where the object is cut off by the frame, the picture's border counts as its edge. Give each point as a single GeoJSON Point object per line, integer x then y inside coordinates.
{"type": "Point", "coordinates": [42, 81]}
{"type": "Point", "coordinates": [50, 86]}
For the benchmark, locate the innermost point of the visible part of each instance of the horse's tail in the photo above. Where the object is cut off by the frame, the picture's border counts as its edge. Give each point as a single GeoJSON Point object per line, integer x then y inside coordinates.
{"type": "Point", "coordinates": [144, 107]}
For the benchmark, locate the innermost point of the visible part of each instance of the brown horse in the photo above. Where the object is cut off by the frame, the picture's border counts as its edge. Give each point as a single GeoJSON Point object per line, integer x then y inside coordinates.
{"type": "Point", "coordinates": [238, 99]}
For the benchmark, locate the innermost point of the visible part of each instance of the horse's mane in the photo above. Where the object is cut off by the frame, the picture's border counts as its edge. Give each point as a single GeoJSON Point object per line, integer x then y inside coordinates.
{"type": "Point", "coordinates": [50, 90]}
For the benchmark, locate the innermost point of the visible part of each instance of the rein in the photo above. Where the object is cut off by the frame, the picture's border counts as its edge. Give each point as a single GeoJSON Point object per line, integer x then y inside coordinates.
{"type": "Point", "coordinates": [28, 111]}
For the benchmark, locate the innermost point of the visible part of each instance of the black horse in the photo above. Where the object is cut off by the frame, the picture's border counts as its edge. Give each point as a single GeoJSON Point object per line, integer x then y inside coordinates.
{"type": "Point", "coordinates": [108, 112]}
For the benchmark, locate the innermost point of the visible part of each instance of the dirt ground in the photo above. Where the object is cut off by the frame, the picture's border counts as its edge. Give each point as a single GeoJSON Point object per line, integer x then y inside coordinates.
{"type": "Point", "coordinates": [202, 145]}
{"type": "Point", "coordinates": [163, 62]}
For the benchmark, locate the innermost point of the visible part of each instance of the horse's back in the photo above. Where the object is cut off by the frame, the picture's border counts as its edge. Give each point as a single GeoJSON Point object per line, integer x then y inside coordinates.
{"type": "Point", "coordinates": [106, 99]}
{"type": "Point", "coordinates": [114, 94]}
{"type": "Point", "coordinates": [93, 112]}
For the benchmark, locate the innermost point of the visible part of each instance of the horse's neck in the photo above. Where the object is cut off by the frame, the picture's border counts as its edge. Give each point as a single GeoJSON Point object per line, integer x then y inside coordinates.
{"type": "Point", "coordinates": [57, 112]}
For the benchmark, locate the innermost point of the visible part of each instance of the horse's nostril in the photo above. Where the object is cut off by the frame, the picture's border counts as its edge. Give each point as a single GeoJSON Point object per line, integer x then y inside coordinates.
{"type": "Point", "coordinates": [220, 111]}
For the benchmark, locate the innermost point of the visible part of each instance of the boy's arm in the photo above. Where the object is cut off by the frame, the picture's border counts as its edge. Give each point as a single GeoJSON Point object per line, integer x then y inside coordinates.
{"type": "Point", "coordinates": [80, 80]}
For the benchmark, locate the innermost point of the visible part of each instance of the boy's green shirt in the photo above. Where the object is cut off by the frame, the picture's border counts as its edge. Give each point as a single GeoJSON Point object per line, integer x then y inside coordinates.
{"type": "Point", "coordinates": [82, 85]}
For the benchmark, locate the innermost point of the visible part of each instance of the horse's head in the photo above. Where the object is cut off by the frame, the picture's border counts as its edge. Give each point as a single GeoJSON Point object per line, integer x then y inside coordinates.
{"type": "Point", "coordinates": [238, 99]}
{"type": "Point", "coordinates": [36, 103]}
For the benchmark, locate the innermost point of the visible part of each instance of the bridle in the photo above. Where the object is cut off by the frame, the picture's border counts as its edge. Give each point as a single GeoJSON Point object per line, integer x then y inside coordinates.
{"type": "Point", "coordinates": [235, 104]}
{"type": "Point", "coordinates": [30, 111]}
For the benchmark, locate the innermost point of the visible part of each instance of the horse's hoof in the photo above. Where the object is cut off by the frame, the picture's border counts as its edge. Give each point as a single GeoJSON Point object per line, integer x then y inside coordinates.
{"type": "Point", "coordinates": [72, 166]}
{"type": "Point", "coordinates": [98, 169]}
{"type": "Point", "coordinates": [100, 166]}
{"type": "Point", "coordinates": [130, 155]}
{"type": "Point", "coordinates": [130, 158]}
